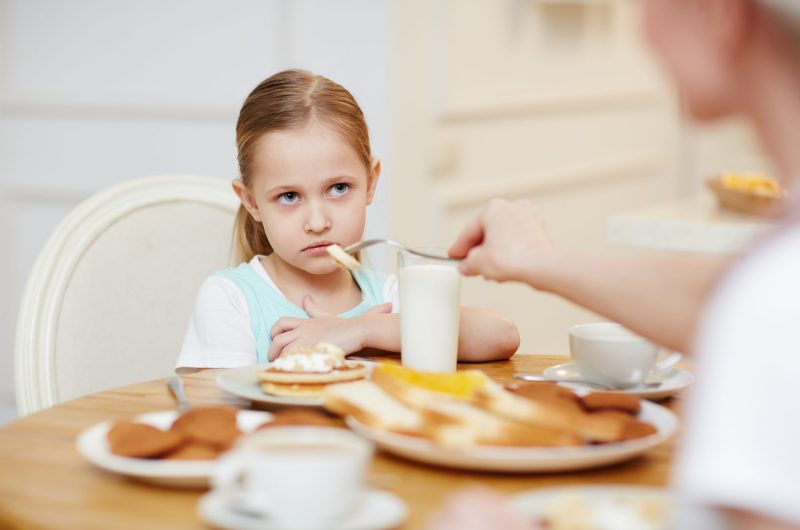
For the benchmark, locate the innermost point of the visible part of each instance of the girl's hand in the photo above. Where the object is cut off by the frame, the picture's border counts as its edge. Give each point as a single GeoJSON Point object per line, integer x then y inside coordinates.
{"type": "Point", "coordinates": [346, 333]}
{"type": "Point", "coordinates": [503, 242]}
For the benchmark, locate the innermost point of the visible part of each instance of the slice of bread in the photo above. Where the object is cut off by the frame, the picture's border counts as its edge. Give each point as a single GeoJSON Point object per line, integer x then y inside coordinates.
{"type": "Point", "coordinates": [369, 404]}
{"type": "Point", "coordinates": [554, 413]}
{"type": "Point", "coordinates": [461, 425]}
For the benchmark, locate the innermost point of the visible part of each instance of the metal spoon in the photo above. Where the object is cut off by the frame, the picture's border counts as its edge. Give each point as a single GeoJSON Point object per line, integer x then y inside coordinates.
{"type": "Point", "coordinates": [175, 386]}
{"type": "Point", "coordinates": [355, 247]}
{"type": "Point", "coordinates": [577, 380]}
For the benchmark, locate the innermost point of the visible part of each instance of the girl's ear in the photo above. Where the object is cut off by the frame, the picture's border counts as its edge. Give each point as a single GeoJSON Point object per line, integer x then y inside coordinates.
{"type": "Point", "coordinates": [246, 198]}
{"type": "Point", "coordinates": [373, 177]}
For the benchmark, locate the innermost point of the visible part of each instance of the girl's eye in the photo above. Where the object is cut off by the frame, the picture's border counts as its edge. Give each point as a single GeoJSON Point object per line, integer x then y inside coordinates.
{"type": "Point", "coordinates": [337, 190]}
{"type": "Point", "coordinates": [290, 197]}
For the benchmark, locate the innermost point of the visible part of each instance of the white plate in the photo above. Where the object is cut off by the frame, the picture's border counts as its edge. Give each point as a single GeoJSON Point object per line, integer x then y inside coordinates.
{"type": "Point", "coordinates": [524, 459]}
{"type": "Point", "coordinates": [672, 381]}
{"type": "Point", "coordinates": [600, 503]}
{"type": "Point", "coordinates": [93, 445]}
{"type": "Point", "coordinates": [379, 510]}
{"type": "Point", "coordinates": [243, 382]}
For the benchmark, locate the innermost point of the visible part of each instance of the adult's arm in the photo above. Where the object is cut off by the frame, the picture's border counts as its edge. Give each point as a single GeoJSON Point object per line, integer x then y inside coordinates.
{"type": "Point", "coordinates": [659, 297]}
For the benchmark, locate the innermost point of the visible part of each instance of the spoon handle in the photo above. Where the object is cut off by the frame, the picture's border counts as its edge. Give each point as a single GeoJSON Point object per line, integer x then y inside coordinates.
{"type": "Point", "coordinates": [175, 385]}
{"type": "Point", "coordinates": [535, 377]}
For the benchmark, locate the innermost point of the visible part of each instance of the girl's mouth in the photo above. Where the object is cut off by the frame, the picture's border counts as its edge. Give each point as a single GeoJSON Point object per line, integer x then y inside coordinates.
{"type": "Point", "coordinates": [317, 249]}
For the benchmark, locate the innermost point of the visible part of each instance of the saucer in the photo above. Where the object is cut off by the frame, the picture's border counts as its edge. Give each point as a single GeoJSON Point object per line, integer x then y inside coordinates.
{"type": "Point", "coordinates": [377, 511]}
{"type": "Point", "coordinates": [672, 381]}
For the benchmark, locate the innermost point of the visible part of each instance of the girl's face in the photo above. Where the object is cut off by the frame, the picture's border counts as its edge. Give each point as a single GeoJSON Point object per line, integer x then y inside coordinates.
{"type": "Point", "coordinates": [694, 40]}
{"type": "Point", "coordinates": [309, 189]}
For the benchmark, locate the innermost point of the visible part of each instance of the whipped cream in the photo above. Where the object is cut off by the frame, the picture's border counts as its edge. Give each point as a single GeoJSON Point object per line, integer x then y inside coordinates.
{"type": "Point", "coordinates": [309, 361]}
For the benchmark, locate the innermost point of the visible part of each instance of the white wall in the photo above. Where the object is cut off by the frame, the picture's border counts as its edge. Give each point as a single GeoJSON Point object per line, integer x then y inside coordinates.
{"type": "Point", "coordinates": [93, 93]}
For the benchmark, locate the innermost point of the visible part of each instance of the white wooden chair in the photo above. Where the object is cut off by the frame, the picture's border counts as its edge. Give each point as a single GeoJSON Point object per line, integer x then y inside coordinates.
{"type": "Point", "coordinates": [110, 295]}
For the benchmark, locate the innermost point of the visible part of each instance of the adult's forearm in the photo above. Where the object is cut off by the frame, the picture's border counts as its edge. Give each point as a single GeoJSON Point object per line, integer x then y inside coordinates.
{"type": "Point", "coordinates": [658, 297]}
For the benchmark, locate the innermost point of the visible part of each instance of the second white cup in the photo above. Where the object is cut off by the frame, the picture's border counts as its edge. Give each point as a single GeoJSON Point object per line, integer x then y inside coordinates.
{"type": "Point", "coordinates": [608, 353]}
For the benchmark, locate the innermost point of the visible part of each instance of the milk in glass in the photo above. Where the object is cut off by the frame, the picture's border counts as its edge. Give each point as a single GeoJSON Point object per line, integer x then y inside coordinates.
{"type": "Point", "coordinates": [429, 313]}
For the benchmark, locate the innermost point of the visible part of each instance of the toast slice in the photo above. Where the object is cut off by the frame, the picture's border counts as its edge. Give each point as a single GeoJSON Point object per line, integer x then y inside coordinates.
{"type": "Point", "coordinates": [555, 413]}
{"type": "Point", "coordinates": [462, 425]}
{"type": "Point", "coordinates": [370, 405]}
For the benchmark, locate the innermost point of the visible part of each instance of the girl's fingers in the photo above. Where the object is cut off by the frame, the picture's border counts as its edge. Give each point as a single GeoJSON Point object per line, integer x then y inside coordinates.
{"type": "Point", "coordinates": [279, 343]}
{"type": "Point", "coordinates": [284, 324]}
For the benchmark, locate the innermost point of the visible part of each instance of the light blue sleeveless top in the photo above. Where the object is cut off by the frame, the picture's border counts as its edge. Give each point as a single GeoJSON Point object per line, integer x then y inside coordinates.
{"type": "Point", "coordinates": [266, 304]}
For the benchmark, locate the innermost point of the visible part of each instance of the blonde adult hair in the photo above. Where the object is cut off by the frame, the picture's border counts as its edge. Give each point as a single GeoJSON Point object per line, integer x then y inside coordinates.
{"type": "Point", "coordinates": [288, 100]}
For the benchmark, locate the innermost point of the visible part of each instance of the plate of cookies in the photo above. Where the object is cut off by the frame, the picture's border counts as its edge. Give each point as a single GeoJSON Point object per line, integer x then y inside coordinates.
{"type": "Point", "coordinates": [299, 377]}
{"type": "Point", "coordinates": [168, 448]}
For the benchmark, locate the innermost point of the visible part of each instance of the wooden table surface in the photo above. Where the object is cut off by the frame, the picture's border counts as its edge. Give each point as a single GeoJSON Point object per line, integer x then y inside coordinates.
{"type": "Point", "coordinates": [44, 482]}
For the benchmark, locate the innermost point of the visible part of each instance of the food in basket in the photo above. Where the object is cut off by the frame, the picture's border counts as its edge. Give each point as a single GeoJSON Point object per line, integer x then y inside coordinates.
{"type": "Point", "coordinates": [305, 372]}
{"type": "Point", "coordinates": [468, 408]}
{"type": "Point", "coordinates": [753, 183]}
{"type": "Point", "coordinates": [751, 193]}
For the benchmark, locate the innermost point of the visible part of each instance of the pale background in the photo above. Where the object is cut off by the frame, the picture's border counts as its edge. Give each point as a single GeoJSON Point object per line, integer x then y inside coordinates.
{"type": "Point", "coordinates": [555, 101]}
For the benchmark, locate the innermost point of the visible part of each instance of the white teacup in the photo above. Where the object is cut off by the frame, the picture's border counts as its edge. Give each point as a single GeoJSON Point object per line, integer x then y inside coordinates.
{"type": "Point", "coordinates": [608, 353]}
{"type": "Point", "coordinates": [300, 477]}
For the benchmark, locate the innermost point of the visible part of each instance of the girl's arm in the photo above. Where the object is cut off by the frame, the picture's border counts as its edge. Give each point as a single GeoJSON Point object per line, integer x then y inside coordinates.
{"type": "Point", "coordinates": [483, 334]}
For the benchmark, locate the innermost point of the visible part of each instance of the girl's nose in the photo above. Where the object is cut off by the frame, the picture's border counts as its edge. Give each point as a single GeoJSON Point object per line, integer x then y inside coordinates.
{"type": "Point", "coordinates": [317, 220]}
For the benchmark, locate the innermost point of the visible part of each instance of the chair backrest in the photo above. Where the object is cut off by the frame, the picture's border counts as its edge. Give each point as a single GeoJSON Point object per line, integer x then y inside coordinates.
{"type": "Point", "coordinates": [110, 295]}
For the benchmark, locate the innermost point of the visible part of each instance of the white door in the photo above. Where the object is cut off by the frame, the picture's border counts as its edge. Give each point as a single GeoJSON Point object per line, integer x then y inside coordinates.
{"type": "Point", "coordinates": [556, 102]}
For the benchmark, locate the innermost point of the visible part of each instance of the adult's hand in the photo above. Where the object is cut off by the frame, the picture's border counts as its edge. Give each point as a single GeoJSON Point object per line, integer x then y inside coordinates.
{"type": "Point", "coordinates": [503, 243]}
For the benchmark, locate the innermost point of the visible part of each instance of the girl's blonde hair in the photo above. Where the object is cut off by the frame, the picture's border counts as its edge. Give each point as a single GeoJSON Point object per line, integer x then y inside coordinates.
{"type": "Point", "coordinates": [287, 100]}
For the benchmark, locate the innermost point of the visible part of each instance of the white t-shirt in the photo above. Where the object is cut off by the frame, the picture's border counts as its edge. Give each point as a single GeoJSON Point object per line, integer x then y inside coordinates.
{"type": "Point", "coordinates": [220, 334]}
{"type": "Point", "coordinates": [741, 443]}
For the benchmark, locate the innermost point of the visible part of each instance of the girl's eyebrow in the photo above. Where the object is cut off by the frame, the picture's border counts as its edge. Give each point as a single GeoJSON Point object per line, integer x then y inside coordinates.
{"type": "Point", "coordinates": [325, 183]}
{"type": "Point", "coordinates": [278, 189]}
{"type": "Point", "coordinates": [338, 178]}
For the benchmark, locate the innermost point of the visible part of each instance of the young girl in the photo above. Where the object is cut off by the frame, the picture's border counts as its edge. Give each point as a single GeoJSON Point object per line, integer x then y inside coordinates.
{"type": "Point", "coordinates": [307, 176]}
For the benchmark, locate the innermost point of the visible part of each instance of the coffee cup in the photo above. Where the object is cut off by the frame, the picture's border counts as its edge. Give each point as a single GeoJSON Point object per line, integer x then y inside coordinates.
{"type": "Point", "coordinates": [299, 477]}
{"type": "Point", "coordinates": [609, 354]}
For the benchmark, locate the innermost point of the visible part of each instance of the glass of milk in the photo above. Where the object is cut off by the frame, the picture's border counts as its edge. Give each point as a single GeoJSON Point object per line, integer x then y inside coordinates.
{"type": "Point", "coordinates": [430, 307]}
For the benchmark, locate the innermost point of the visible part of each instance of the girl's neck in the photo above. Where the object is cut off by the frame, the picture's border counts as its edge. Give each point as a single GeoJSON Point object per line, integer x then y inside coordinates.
{"type": "Point", "coordinates": [335, 292]}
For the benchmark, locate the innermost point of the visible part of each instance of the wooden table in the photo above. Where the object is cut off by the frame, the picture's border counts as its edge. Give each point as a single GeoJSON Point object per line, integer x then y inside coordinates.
{"type": "Point", "coordinates": [44, 482]}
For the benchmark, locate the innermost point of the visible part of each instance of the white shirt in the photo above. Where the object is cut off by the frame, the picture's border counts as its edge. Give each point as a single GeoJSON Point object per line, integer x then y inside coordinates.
{"type": "Point", "coordinates": [741, 446]}
{"type": "Point", "coordinates": [219, 333]}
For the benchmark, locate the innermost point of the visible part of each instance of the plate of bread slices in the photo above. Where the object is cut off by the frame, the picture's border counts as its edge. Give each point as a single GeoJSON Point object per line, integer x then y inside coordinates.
{"type": "Point", "coordinates": [299, 377]}
{"type": "Point", "coordinates": [467, 421]}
